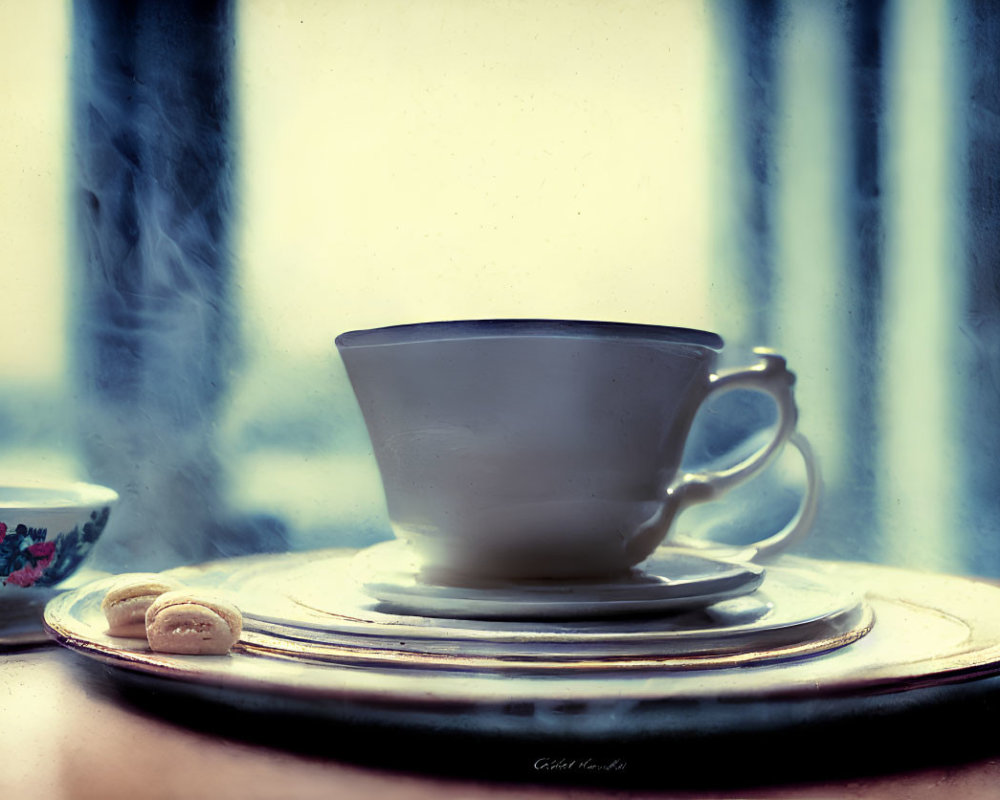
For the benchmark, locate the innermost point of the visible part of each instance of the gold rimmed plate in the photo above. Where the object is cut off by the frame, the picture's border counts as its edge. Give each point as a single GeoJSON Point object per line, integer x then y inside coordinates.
{"type": "Point", "coordinates": [796, 614]}
{"type": "Point", "coordinates": [928, 630]}
{"type": "Point", "coordinates": [310, 608]}
{"type": "Point", "coordinates": [934, 645]}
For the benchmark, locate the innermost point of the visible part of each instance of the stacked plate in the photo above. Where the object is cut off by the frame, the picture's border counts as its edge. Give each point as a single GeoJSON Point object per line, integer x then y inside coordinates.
{"type": "Point", "coordinates": [682, 611]}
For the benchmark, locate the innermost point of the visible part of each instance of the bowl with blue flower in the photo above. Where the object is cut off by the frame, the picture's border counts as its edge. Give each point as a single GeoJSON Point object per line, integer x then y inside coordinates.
{"type": "Point", "coordinates": [47, 530]}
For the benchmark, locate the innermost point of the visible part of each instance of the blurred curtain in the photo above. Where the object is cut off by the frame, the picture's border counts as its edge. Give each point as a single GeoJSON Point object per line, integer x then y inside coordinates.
{"type": "Point", "coordinates": [859, 172]}
{"type": "Point", "coordinates": [155, 318]}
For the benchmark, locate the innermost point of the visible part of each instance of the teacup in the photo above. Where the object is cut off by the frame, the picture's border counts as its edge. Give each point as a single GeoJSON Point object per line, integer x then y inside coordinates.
{"type": "Point", "coordinates": [550, 449]}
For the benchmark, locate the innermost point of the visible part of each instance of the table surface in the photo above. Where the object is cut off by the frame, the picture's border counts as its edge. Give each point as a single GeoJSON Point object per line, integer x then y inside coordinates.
{"type": "Point", "coordinates": [67, 734]}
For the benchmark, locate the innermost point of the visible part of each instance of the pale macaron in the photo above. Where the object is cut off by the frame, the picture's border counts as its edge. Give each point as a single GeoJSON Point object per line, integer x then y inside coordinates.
{"type": "Point", "coordinates": [126, 602]}
{"type": "Point", "coordinates": [189, 622]}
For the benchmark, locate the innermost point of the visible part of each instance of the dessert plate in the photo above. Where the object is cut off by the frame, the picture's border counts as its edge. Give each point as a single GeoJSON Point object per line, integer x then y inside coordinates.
{"type": "Point", "coordinates": [930, 630]}
{"type": "Point", "coordinates": [306, 607]}
{"type": "Point", "coordinates": [672, 579]}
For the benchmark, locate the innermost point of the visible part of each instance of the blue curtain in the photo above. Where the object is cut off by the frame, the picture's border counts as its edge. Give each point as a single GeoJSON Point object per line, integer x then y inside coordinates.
{"type": "Point", "coordinates": [860, 218]}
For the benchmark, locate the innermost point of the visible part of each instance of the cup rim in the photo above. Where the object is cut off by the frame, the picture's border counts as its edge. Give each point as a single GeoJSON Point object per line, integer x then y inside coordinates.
{"type": "Point", "coordinates": [496, 328]}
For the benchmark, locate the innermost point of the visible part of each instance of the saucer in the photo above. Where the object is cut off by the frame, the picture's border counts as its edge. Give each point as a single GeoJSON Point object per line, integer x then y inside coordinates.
{"type": "Point", "coordinates": [671, 580]}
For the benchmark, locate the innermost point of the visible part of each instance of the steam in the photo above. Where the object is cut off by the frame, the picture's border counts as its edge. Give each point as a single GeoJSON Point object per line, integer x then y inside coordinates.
{"type": "Point", "coordinates": [153, 156]}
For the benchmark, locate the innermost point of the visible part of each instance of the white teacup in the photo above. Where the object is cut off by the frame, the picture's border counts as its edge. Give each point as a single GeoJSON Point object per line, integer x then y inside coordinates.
{"type": "Point", "coordinates": [537, 449]}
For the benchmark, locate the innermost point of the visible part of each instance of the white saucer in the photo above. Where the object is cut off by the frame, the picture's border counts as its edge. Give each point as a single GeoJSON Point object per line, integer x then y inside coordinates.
{"type": "Point", "coordinates": [673, 579]}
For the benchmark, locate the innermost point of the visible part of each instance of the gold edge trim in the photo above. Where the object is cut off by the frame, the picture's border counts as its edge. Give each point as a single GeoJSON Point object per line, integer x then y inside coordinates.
{"type": "Point", "coordinates": [381, 657]}
{"type": "Point", "coordinates": [971, 658]}
{"type": "Point", "coordinates": [393, 629]}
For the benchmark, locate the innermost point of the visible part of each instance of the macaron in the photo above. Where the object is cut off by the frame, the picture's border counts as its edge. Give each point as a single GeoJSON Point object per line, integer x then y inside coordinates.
{"type": "Point", "coordinates": [126, 602]}
{"type": "Point", "coordinates": [188, 622]}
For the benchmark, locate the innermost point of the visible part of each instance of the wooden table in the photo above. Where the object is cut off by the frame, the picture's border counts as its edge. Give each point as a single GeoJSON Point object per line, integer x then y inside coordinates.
{"type": "Point", "coordinates": [66, 732]}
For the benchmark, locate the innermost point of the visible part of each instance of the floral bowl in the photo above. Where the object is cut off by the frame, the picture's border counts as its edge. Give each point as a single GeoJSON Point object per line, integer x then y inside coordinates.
{"type": "Point", "coordinates": [47, 530]}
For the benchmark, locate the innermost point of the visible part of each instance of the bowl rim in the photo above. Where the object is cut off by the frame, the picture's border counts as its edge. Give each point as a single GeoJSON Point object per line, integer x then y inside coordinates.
{"type": "Point", "coordinates": [63, 495]}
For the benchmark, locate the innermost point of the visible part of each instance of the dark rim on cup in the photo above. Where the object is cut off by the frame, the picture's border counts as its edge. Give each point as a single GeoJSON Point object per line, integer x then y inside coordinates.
{"type": "Point", "coordinates": [483, 328]}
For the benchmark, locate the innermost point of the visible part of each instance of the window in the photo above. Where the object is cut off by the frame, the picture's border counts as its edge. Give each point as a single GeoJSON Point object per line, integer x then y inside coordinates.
{"type": "Point", "coordinates": [34, 350]}
{"type": "Point", "coordinates": [815, 177]}
{"type": "Point", "coordinates": [411, 162]}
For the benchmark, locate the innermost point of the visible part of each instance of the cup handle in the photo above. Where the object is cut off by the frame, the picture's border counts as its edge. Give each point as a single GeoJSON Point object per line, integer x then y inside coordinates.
{"type": "Point", "coordinates": [771, 376]}
{"type": "Point", "coordinates": [793, 532]}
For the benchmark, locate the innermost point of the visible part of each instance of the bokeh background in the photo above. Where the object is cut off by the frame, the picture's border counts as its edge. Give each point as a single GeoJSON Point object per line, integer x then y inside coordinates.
{"type": "Point", "coordinates": [202, 199]}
